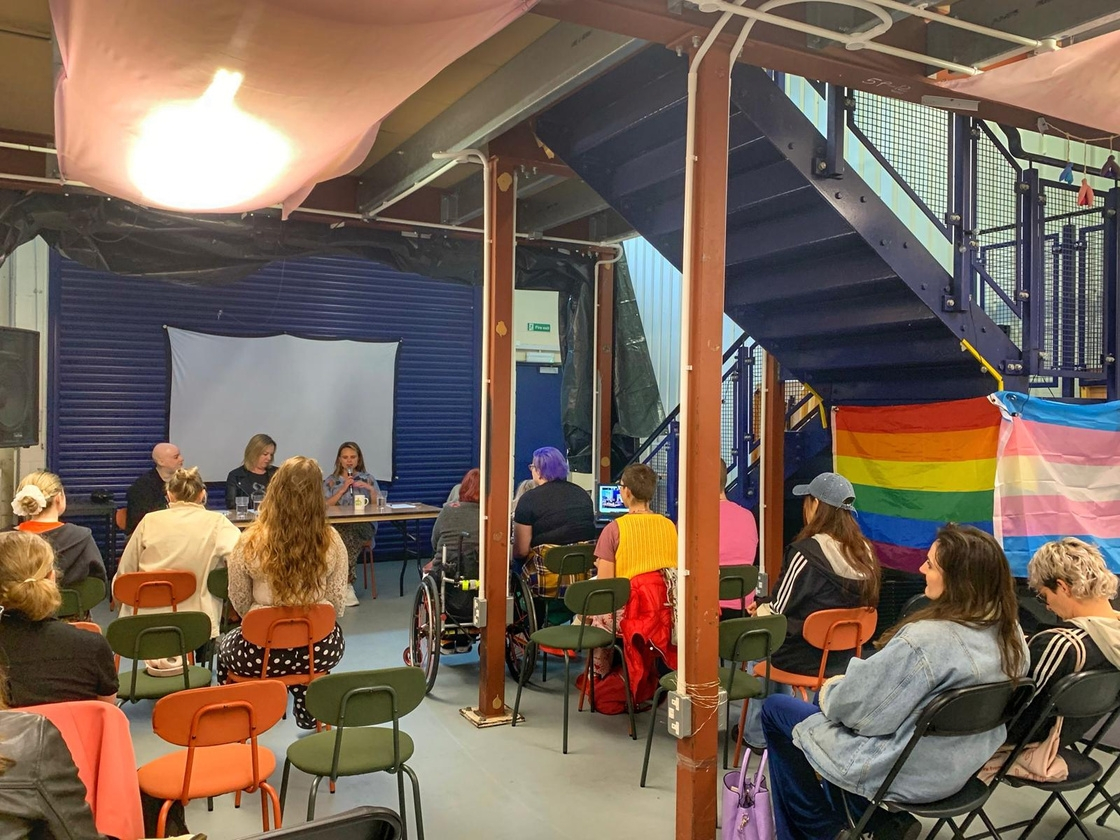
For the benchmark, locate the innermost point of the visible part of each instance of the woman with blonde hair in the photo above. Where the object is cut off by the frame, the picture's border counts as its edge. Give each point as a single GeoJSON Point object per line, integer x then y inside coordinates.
{"type": "Point", "coordinates": [289, 557]}
{"type": "Point", "coordinates": [349, 480]}
{"type": "Point", "coordinates": [255, 472]}
{"type": "Point", "coordinates": [48, 660]}
{"type": "Point", "coordinates": [40, 501]}
{"type": "Point", "coordinates": [186, 537]}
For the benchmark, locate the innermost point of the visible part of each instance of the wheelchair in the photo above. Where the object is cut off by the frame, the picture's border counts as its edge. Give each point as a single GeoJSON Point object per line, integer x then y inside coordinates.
{"type": "Point", "coordinates": [443, 616]}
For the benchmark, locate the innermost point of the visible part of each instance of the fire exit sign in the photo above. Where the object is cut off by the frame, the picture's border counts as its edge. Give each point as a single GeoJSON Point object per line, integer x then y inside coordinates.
{"type": "Point", "coordinates": [539, 327]}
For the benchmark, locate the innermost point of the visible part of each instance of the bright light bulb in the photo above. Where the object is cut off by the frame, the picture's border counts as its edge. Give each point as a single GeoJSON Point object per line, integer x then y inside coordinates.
{"type": "Point", "coordinates": [207, 153]}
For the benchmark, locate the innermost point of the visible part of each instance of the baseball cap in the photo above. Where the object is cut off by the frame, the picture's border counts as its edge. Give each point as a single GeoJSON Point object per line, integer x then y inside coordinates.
{"type": "Point", "coordinates": [830, 488]}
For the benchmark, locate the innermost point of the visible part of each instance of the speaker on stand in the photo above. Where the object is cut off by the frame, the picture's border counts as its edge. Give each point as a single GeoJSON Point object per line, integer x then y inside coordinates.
{"type": "Point", "coordinates": [19, 387]}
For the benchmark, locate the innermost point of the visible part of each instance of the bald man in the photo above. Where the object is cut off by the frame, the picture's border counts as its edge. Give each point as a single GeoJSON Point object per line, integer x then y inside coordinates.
{"type": "Point", "coordinates": [149, 492]}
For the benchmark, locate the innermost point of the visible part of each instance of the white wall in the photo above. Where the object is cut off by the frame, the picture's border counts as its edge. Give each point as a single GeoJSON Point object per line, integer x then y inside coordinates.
{"type": "Point", "coordinates": [24, 280]}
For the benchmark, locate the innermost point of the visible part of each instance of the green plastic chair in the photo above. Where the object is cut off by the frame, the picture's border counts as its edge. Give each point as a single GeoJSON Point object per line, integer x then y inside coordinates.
{"type": "Point", "coordinates": [737, 582]}
{"type": "Point", "coordinates": [157, 636]}
{"type": "Point", "coordinates": [81, 598]}
{"type": "Point", "coordinates": [217, 584]}
{"type": "Point", "coordinates": [740, 640]}
{"type": "Point", "coordinates": [584, 598]}
{"type": "Point", "coordinates": [354, 703]}
{"type": "Point", "coordinates": [564, 561]}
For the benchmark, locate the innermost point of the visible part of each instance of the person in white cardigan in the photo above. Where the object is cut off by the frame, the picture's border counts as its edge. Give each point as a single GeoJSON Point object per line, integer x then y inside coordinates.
{"type": "Point", "coordinates": [185, 537]}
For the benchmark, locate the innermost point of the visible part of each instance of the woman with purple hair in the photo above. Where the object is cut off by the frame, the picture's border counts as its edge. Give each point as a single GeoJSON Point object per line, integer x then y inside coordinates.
{"type": "Point", "coordinates": [555, 512]}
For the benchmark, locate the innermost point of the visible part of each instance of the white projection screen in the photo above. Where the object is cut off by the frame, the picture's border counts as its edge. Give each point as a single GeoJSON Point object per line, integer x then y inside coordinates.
{"type": "Point", "coordinates": [309, 395]}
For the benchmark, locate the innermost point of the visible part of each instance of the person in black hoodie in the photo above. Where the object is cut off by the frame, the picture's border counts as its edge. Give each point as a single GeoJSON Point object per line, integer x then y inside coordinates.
{"type": "Point", "coordinates": [41, 501]}
{"type": "Point", "coordinates": [829, 565]}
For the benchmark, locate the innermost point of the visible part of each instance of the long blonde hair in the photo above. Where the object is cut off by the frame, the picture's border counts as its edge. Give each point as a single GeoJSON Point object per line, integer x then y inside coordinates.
{"type": "Point", "coordinates": [26, 587]}
{"type": "Point", "coordinates": [255, 448]}
{"type": "Point", "coordinates": [289, 541]}
{"type": "Point", "coordinates": [28, 504]}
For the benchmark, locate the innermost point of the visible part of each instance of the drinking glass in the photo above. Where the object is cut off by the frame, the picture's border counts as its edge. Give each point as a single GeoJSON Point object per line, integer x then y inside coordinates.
{"type": "Point", "coordinates": [257, 499]}
{"type": "Point", "coordinates": [241, 504]}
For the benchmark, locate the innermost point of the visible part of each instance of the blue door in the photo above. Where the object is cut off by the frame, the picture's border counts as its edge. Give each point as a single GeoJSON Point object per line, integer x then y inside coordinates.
{"type": "Point", "coordinates": [538, 415]}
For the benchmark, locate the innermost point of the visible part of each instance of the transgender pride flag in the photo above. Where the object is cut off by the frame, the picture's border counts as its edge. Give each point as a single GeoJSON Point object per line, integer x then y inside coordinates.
{"type": "Point", "coordinates": [1057, 475]}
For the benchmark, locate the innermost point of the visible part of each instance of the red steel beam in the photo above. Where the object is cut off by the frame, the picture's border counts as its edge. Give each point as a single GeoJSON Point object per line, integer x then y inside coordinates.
{"type": "Point", "coordinates": [498, 334]}
{"type": "Point", "coordinates": [773, 454]}
{"type": "Point", "coordinates": [700, 429]}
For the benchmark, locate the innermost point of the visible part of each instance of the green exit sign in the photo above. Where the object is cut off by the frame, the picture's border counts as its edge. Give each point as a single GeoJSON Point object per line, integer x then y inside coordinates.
{"type": "Point", "coordinates": [539, 327]}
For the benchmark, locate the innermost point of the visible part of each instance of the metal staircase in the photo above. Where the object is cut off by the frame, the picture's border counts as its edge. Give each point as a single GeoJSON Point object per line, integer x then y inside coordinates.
{"type": "Point", "coordinates": [820, 271]}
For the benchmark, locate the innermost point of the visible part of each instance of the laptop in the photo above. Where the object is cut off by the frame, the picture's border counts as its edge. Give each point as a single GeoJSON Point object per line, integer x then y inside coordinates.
{"type": "Point", "coordinates": [610, 501]}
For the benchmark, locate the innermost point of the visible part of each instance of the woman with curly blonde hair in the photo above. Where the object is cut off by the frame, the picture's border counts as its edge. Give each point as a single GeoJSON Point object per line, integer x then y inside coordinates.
{"type": "Point", "coordinates": [289, 557]}
{"type": "Point", "coordinates": [40, 501]}
{"type": "Point", "coordinates": [48, 661]}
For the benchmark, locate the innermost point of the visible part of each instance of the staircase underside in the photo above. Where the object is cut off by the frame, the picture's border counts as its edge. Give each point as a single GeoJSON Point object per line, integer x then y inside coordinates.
{"type": "Point", "coordinates": [819, 271]}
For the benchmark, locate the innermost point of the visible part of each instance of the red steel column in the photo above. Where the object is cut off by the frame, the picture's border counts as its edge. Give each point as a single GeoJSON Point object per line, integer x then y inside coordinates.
{"type": "Point", "coordinates": [700, 427]}
{"type": "Point", "coordinates": [604, 364]}
{"type": "Point", "coordinates": [499, 387]}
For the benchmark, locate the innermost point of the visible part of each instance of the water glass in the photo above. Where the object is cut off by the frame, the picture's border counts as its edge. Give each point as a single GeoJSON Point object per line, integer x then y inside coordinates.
{"type": "Point", "coordinates": [241, 505]}
{"type": "Point", "coordinates": [257, 499]}
{"type": "Point", "coordinates": [382, 502]}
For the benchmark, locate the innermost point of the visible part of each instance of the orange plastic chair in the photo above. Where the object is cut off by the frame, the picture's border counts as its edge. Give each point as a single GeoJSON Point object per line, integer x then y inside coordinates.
{"type": "Point", "coordinates": [829, 630]}
{"type": "Point", "coordinates": [287, 627]}
{"type": "Point", "coordinates": [87, 625]}
{"type": "Point", "coordinates": [120, 519]}
{"type": "Point", "coordinates": [219, 726]}
{"type": "Point", "coordinates": [154, 590]}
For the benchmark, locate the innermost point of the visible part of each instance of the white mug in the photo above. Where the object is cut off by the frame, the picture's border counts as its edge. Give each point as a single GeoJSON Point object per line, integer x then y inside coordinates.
{"type": "Point", "coordinates": [360, 501]}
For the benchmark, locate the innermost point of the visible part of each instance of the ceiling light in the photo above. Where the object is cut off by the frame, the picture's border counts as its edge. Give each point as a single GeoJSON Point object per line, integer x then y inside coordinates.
{"type": "Point", "coordinates": [206, 153]}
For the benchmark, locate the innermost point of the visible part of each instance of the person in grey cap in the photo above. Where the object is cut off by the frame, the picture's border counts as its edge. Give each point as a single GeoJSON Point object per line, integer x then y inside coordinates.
{"type": "Point", "coordinates": [830, 565]}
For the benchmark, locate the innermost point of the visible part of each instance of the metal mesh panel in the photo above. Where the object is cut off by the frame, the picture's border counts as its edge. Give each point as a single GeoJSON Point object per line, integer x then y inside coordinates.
{"type": "Point", "coordinates": [1073, 281]}
{"type": "Point", "coordinates": [659, 463]}
{"type": "Point", "coordinates": [914, 139]}
{"type": "Point", "coordinates": [727, 417]}
{"type": "Point", "coordinates": [997, 235]}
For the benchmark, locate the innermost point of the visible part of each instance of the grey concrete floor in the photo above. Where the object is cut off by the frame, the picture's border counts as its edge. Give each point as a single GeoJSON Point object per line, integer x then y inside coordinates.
{"type": "Point", "coordinates": [499, 783]}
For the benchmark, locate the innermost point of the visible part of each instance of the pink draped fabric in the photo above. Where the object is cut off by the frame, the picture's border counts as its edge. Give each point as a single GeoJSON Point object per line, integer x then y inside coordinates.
{"type": "Point", "coordinates": [1076, 83]}
{"type": "Point", "coordinates": [316, 80]}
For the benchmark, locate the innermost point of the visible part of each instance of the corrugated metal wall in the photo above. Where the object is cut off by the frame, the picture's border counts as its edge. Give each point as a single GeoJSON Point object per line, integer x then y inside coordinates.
{"type": "Point", "coordinates": [657, 287]}
{"type": "Point", "coordinates": [109, 362]}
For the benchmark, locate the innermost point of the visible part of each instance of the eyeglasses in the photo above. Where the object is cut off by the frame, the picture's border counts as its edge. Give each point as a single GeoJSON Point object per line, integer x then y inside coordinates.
{"type": "Point", "coordinates": [621, 486]}
{"type": "Point", "coordinates": [1040, 597]}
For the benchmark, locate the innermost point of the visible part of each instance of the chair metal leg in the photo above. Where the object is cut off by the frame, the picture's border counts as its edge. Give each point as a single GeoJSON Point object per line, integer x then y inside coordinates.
{"type": "Point", "coordinates": [742, 731]}
{"type": "Point", "coordinates": [987, 822]}
{"type": "Point", "coordinates": [1074, 819]}
{"type": "Point", "coordinates": [264, 808]}
{"type": "Point", "coordinates": [1033, 824]}
{"type": "Point", "coordinates": [585, 691]}
{"type": "Point", "coordinates": [284, 785]}
{"type": "Point", "coordinates": [544, 667]}
{"type": "Point", "coordinates": [311, 798]}
{"type": "Point", "coordinates": [161, 823]}
{"type": "Point", "coordinates": [277, 817]}
{"type": "Point", "coordinates": [400, 801]}
{"type": "Point", "coordinates": [210, 804]}
{"type": "Point", "coordinates": [521, 680]}
{"type": "Point", "coordinates": [590, 680]}
{"type": "Point", "coordinates": [567, 691]}
{"type": "Point", "coordinates": [629, 697]}
{"type": "Point", "coordinates": [419, 811]}
{"type": "Point", "coordinates": [649, 735]}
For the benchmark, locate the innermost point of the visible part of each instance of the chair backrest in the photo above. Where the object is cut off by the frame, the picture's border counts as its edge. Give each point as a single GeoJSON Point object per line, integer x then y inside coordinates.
{"type": "Point", "coordinates": [82, 597]}
{"type": "Point", "coordinates": [120, 518]}
{"type": "Point", "coordinates": [597, 597]}
{"type": "Point", "coordinates": [737, 582]}
{"type": "Point", "coordinates": [154, 590]}
{"type": "Point", "coordinates": [961, 712]}
{"type": "Point", "coordinates": [915, 603]}
{"type": "Point", "coordinates": [564, 560]}
{"type": "Point", "coordinates": [752, 638]}
{"type": "Point", "coordinates": [1085, 696]}
{"type": "Point", "coordinates": [832, 630]}
{"type": "Point", "coordinates": [366, 698]}
{"type": "Point", "coordinates": [288, 627]}
{"type": "Point", "coordinates": [158, 635]}
{"type": "Point", "coordinates": [219, 714]}
{"type": "Point", "coordinates": [217, 583]}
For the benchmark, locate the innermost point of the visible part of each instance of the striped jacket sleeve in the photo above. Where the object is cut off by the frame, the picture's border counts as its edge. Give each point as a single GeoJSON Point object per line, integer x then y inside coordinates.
{"type": "Point", "coordinates": [1055, 654]}
{"type": "Point", "coordinates": [792, 589]}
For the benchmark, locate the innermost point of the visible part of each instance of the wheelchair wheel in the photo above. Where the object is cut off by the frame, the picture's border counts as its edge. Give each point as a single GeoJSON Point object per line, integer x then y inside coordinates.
{"type": "Point", "coordinates": [524, 625]}
{"type": "Point", "coordinates": [424, 632]}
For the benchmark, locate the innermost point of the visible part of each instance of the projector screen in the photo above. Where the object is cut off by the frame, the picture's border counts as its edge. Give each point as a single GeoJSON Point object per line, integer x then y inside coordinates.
{"type": "Point", "coordinates": [309, 395]}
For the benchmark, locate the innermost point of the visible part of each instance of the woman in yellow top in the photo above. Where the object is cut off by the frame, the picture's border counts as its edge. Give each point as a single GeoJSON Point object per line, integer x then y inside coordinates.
{"type": "Point", "coordinates": [640, 541]}
{"type": "Point", "coordinates": [641, 545]}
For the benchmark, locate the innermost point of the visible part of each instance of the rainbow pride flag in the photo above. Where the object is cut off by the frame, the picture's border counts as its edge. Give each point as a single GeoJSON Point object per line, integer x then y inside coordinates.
{"type": "Point", "coordinates": [1057, 475]}
{"type": "Point", "coordinates": [916, 467]}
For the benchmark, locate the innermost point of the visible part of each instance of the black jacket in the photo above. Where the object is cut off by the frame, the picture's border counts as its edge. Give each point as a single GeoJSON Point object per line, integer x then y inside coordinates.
{"type": "Point", "coordinates": [241, 482]}
{"type": "Point", "coordinates": [809, 583]}
{"type": "Point", "coordinates": [76, 554]}
{"type": "Point", "coordinates": [147, 493]}
{"type": "Point", "coordinates": [41, 795]}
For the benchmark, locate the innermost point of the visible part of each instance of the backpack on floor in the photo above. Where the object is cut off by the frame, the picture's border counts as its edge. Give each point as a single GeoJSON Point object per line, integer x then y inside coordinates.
{"type": "Point", "coordinates": [610, 692]}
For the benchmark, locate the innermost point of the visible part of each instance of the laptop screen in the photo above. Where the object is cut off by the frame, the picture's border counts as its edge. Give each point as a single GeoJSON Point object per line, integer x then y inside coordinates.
{"type": "Point", "coordinates": [610, 500]}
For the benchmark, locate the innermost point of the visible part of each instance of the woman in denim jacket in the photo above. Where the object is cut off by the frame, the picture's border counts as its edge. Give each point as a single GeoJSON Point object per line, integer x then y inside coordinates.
{"type": "Point", "coordinates": [969, 635]}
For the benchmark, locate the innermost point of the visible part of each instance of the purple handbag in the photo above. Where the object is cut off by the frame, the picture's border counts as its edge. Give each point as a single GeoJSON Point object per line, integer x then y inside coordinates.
{"type": "Point", "coordinates": [746, 804]}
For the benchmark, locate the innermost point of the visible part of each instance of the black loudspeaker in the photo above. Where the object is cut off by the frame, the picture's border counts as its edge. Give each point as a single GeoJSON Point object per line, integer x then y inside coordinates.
{"type": "Point", "coordinates": [19, 387]}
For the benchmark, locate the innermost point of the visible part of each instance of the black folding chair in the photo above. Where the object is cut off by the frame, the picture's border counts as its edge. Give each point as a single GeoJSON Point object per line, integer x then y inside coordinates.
{"type": "Point", "coordinates": [961, 712]}
{"type": "Point", "coordinates": [1108, 744]}
{"type": "Point", "coordinates": [1085, 696]}
{"type": "Point", "coordinates": [365, 822]}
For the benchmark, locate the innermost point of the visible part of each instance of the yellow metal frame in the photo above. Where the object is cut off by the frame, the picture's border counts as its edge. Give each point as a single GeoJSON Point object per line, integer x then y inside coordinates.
{"type": "Point", "coordinates": [984, 363]}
